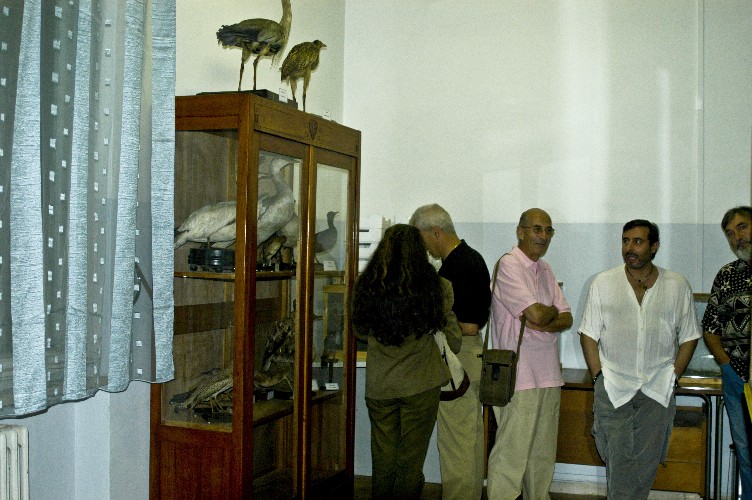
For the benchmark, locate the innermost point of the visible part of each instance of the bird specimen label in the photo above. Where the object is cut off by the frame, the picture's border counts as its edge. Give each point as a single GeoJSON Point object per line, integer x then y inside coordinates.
{"type": "Point", "coordinates": [331, 386]}
{"type": "Point", "coordinates": [329, 265]}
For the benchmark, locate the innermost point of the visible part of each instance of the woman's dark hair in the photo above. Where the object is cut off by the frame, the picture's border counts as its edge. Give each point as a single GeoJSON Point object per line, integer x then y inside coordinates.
{"type": "Point", "coordinates": [398, 294]}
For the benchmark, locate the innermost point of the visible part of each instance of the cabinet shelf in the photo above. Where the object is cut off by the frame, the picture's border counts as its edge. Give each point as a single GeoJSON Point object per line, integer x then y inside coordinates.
{"type": "Point", "coordinates": [260, 275]}
{"type": "Point", "coordinates": [269, 411]}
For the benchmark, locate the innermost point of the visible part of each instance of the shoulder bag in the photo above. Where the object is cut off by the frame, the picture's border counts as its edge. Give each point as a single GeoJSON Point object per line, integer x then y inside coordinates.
{"type": "Point", "coordinates": [499, 370]}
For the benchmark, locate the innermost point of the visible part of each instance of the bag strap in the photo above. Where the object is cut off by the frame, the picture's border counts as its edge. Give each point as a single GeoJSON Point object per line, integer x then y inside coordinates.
{"type": "Point", "coordinates": [488, 323]}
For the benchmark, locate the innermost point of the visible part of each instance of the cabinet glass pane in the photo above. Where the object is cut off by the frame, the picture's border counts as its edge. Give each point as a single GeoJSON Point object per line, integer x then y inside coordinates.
{"type": "Point", "coordinates": [277, 325]}
{"type": "Point", "coordinates": [328, 412]}
{"type": "Point", "coordinates": [205, 188]}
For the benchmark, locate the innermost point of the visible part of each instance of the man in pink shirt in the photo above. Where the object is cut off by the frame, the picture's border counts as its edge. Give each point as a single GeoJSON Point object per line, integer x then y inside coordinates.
{"type": "Point", "coordinates": [524, 454]}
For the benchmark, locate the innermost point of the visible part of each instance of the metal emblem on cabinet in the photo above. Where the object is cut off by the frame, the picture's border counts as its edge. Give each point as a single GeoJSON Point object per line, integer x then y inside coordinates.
{"type": "Point", "coordinates": [313, 128]}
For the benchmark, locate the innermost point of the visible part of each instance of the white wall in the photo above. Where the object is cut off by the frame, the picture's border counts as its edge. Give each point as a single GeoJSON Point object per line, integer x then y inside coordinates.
{"type": "Point", "coordinates": [593, 110]}
{"type": "Point", "coordinates": [598, 112]}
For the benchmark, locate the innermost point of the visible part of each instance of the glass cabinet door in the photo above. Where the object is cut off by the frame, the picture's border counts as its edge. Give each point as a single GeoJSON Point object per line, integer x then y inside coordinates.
{"type": "Point", "coordinates": [332, 248]}
{"type": "Point", "coordinates": [277, 318]}
{"type": "Point", "coordinates": [205, 188]}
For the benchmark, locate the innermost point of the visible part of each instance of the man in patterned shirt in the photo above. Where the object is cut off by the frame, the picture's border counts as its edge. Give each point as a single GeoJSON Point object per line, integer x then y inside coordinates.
{"type": "Point", "coordinates": [727, 331]}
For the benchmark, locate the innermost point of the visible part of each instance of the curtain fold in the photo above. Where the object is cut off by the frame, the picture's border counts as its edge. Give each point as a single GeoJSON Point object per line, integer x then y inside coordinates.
{"type": "Point", "coordinates": [86, 198]}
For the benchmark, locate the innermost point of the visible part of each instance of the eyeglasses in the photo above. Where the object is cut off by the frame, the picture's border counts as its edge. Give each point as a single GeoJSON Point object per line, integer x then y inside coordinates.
{"type": "Point", "coordinates": [540, 230]}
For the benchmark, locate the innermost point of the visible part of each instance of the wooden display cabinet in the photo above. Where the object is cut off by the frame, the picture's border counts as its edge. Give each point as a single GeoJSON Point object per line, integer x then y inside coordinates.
{"type": "Point", "coordinates": [254, 182]}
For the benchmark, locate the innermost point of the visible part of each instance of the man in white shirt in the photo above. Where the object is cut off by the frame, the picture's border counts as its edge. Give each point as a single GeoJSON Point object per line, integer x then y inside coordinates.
{"type": "Point", "coordinates": [638, 333]}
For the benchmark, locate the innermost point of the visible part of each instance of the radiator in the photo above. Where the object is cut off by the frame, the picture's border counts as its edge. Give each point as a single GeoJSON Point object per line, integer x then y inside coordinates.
{"type": "Point", "coordinates": [14, 462]}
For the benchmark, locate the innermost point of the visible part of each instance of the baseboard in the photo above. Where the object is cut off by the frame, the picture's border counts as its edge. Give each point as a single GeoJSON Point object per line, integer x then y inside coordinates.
{"type": "Point", "coordinates": [579, 488]}
{"type": "Point", "coordinates": [599, 489]}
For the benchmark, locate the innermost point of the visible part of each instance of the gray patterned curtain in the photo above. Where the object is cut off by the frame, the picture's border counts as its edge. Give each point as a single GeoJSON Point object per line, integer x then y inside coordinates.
{"type": "Point", "coordinates": [86, 198]}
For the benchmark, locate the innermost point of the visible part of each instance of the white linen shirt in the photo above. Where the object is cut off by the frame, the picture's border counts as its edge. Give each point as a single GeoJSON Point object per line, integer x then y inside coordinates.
{"type": "Point", "coordinates": [637, 343]}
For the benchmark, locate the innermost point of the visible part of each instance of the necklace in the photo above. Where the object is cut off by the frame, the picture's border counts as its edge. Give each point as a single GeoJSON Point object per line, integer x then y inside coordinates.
{"type": "Point", "coordinates": [642, 282]}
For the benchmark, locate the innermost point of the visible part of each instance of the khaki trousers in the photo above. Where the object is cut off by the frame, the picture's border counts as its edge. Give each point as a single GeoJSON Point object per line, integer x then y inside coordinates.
{"type": "Point", "coordinates": [524, 454]}
{"type": "Point", "coordinates": [460, 432]}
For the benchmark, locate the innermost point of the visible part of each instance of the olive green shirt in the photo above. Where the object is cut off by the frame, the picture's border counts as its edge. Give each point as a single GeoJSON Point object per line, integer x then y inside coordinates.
{"type": "Point", "coordinates": [416, 365]}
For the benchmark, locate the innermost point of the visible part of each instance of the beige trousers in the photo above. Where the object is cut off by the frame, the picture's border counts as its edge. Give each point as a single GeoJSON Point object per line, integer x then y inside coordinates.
{"type": "Point", "coordinates": [524, 454]}
{"type": "Point", "coordinates": [460, 432]}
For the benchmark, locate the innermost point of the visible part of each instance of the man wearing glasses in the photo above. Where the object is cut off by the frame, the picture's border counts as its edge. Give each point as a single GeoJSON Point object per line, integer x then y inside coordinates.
{"type": "Point", "coordinates": [524, 454]}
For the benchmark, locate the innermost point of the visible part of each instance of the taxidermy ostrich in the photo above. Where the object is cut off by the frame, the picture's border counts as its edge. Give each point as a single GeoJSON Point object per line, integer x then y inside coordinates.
{"type": "Point", "coordinates": [300, 61]}
{"type": "Point", "coordinates": [257, 36]}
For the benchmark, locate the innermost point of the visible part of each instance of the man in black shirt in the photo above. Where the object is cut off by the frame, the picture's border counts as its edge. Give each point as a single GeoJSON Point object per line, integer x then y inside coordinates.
{"type": "Point", "coordinates": [460, 421]}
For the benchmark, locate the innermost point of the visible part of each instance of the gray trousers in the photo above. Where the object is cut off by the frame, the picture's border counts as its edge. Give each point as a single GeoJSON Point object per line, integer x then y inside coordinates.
{"type": "Point", "coordinates": [632, 440]}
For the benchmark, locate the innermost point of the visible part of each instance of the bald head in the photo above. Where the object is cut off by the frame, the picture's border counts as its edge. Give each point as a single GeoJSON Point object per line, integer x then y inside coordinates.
{"type": "Point", "coordinates": [528, 214]}
{"type": "Point", "coordinates": [534, 233]}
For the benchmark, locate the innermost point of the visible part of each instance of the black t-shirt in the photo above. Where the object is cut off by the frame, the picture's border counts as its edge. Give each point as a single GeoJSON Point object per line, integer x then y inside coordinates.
{"type": "Point", "coordinates": [471, 284]}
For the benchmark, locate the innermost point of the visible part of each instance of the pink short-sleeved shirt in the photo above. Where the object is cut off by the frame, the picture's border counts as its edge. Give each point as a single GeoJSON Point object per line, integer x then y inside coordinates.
{"type": "Point", "coordinates": [520, 283]}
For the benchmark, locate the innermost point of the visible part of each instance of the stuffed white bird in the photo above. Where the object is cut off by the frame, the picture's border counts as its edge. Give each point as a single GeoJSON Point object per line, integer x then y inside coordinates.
{"type": "Point", "coordinates": [290, 231]}
{"type": "Point", "coordinates": [213, 224]}
{"type": "Point", "coordinates": [276, 210]}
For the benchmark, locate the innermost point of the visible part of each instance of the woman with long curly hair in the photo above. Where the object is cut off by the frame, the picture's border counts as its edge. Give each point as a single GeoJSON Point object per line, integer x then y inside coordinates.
{"type": "Point", "coordinates": [398, 303]}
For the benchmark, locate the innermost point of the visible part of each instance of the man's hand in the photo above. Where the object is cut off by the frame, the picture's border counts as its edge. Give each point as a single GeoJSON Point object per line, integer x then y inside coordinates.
{"type": "Point", "coordinates": [468, 328]}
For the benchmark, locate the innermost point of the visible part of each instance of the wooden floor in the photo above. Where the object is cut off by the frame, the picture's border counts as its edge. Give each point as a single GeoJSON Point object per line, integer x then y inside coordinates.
{"type": "Point", "coordinates": [432, 491]}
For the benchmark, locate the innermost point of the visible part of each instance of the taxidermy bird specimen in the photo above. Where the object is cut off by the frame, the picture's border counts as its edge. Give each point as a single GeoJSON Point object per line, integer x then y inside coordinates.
{"type": "Point", "coordinates": [207, 391]}
{"type": "Point", "coordinates": [326, 239]}
{"type": "Point", "coordinates": [267, 250]}
{"type": "Point", "coordinates": [212, 224]}
{"type": "Point", "coordinates": [300, 61]}
{"type": "Point", "coordinates": [257, 36]}
{"type": "Point", "coordinates": [290, 231]}
{"type": "Point", "coordinates": [276, 210]}
{"type": "Point", "coordinates": [278, 361]}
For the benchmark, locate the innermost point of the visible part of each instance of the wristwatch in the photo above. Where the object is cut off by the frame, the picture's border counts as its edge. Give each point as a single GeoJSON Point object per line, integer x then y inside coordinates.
{"type": "Point", "coordinates": [596, 376]}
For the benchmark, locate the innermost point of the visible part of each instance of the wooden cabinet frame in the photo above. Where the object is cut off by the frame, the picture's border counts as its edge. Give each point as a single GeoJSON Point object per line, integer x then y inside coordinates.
{"type": "Point", "coordinates": [194, 460]}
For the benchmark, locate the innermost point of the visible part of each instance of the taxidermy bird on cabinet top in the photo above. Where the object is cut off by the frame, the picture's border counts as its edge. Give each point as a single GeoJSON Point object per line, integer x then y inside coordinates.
{"type": "Point", "coordinates": [257, 36]}
{"type": "Point", "coordinates": [299, 63]}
